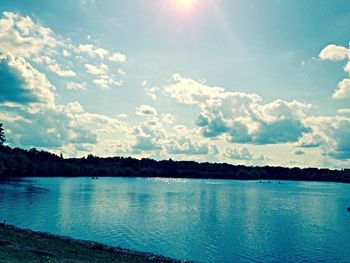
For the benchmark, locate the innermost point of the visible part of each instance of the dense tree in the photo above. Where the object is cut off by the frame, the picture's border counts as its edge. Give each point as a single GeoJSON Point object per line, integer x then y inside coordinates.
{"type": "Point", "coordinates": [33, 163]}
{"type": "Point", "coordinates": [2, 135]}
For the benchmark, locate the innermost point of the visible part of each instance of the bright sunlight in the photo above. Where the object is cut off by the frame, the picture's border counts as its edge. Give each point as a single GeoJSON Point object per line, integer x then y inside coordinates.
{"type": "Point", "coordinates": [185, 5]}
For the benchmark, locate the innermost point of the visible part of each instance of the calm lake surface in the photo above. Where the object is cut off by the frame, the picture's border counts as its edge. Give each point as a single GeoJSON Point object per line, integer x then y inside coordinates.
{"type": "Point", "coordinates": [201, 220]}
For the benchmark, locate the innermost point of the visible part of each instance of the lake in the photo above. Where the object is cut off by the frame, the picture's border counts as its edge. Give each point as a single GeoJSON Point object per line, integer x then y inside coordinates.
{"type": "Point", "coordinates": [201, 220]}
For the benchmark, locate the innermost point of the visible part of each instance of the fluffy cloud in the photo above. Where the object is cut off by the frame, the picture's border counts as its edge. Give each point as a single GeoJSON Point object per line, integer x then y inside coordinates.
{"type": "Point", "coordinates": [343, 111]}
{"type": "Point", "coordinates": [240, 117]}
{"type": "Point", "coordinates": [241, 154]}
{"type": "Point", "coordinates": [101, 53]}
{"type": "Point", "coordinates": [102, 124]}
{"type": "Point", "coordinates": [311, 140]}
{"type": "Point", "coordinates": [334, 52]}
{"type": "Point", "coordinates": [339, 133]}
{"type": "Point", "coordinates": [148, 136]}
{"type": "Point", "coordinates": [151, 92]}
{"type": "Point", "coordinates": [54, 67]}
{"type": "Point", "coordinates": [27, 102]}
{"type": "Point", "coordinates": [66, 53]}
{"type": "Point", "coordinates": [168, 118]}
{"type": "Point", "coordinates": [342, 149]}
{"type": "Point", "coordinates": [92, 51]}
{"type": "Point", "coordinates": [238, 154]}
{"type": "Point", "coordinates": [96, 70]}
{"type": "Point", "coordinates": [343, 90]}
{"type": "Point", "coordinates": [76, 86]}
{"type": "Point", "coordinates": [188, 91]}
{"type": "Point", "coordinates": [184, 145]}
{"type": "Point", "coordinates": [50, 128]}
{"type": "Point", "coordinates": [117, 57]}
{"type": "Point", "coordinates": [21, 83]}
{"type": "Point", "coordinates": [104, 80]}
{"type": "Point", "coordinates": [332, 135]}
{"type": "Point", "coordinates": [146, 110]}
{"type": "Point", "coordinates": [20, 36]}
{"type": "Point", "coordinates": [337, 53]}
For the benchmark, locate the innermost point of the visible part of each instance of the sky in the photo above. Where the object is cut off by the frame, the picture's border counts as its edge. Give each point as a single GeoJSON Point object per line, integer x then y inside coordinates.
{"type": "Point", "coordinates": [243, 82]}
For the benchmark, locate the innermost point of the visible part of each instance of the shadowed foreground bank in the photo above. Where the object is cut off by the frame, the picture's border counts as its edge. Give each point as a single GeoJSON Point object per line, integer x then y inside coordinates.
{"type": "Point", "coordinates": [19, 245]}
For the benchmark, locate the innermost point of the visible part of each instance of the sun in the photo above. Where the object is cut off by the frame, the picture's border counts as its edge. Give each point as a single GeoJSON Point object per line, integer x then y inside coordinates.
{"type": "Point", "coordinates": [184, 5]}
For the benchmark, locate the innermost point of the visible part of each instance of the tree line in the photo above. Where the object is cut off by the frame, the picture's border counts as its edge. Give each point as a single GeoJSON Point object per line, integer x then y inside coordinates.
{"type": "Point", "coordinates": [16, 162]}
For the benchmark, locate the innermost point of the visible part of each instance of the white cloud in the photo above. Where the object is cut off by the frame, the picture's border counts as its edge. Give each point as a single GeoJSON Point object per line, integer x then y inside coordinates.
{"type": "Point", "coordinates": [122, 115]}
{"type": "Point", "coordinates": [343, 111]}
{"type": "Point", "coordinates": [242, 154]}
{"type": "Point", "coordinates": [12, 117]}
{"type": "Point", "coordinates": [66, 53]}
{"type": "Point", "coordinates": [146, 110]}
{"type": "Point", "coordinates": [76, 86]}
{"type": "Point", "coordinates": [168, 118]}
{"type": "Point", "coordinates": [334, 52]}
{"type": "Point", "coordinates": [238, 154]}
{"type": "Point", "coordinates": [188, 91]}
{"type": "Point", "coordinates": [54, 67]}
{"type": "Point", "coordinates": [347, 67]}
{"type": "Point", "coordinates": [96, 70]}
{"type": "Point", "coordinates": [92, 51]}
{"type": "Point", "coordinates": [240, 117]}
{"type": "Point", "coordinates": [148, 136]}
{"type": "Point", "coordinates": [151, 92]}
{"type": "Point", "coordinates": [333, 134]}
{"type": "Point", "coordinates": [105, 79]}
{"type": "Point", "coordinates": [75, 107]}
{"type": "Point", "coordinates": [28, 106]}
{"type": "Point", "coordinates": [29, 83]}
{"type": "Point", "coordinates": [105, 82]}
{"type": "Point", "coordinates": [311, 140]}
{"type": "Point", "coordinates": [102, 123]}
{"type": "Point", "coordinates": [50, 127]}
{"type": "Point", "coordinates": [184, 145]}
{"type": "Point", "coordinates": [117, 57]}
{"type": "Point", "coordinates": [121, 72]}
{"type": "Point", "coordinates": [20, 36]}
{"type": "Point", "coordinates": [343, 90]}
{"type": "Point", "coordinates": [101, 53]}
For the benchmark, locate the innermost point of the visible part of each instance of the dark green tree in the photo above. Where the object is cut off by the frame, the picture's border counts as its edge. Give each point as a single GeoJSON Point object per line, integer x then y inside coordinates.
{"type": "Point", "coordinates": [2, 135]}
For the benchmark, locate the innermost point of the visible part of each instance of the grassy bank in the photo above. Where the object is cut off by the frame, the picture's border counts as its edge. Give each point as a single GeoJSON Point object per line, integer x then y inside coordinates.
{"type": "Point", "coordinates": [20, 245]}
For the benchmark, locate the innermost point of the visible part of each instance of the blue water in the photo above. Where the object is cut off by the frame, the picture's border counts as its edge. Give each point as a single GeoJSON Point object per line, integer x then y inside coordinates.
{"type": "Point", "coordinates": [201, 220]}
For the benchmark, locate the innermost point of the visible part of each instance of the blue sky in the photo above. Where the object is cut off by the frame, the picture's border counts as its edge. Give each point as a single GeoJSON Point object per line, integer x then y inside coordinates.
{"type": "Point", "coordinates": [248, 82]}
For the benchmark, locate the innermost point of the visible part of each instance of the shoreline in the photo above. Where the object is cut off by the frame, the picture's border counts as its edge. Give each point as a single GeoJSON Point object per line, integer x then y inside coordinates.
{"type": "Point", "coordinates": [24, 245]}
{"type": "Point", "coordinates": [20, 178]}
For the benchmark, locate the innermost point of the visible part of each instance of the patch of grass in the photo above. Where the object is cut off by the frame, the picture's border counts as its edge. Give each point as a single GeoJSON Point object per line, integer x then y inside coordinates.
{"type": "Point", "coordinates": [20, 245]}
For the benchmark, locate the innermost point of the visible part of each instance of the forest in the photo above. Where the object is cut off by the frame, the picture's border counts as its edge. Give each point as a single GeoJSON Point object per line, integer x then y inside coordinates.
{"type": "Point", "coordinates": [16, 162]}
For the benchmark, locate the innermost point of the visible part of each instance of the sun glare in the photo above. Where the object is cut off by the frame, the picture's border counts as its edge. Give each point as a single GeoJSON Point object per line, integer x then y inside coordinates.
{"type": "Point", "coordinates": [185, 5]}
